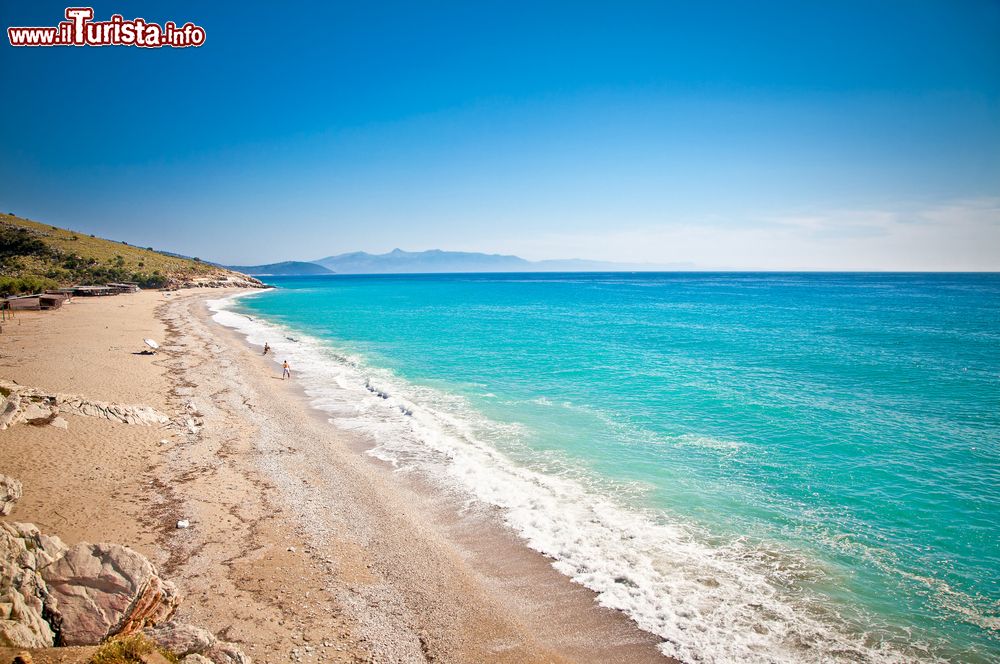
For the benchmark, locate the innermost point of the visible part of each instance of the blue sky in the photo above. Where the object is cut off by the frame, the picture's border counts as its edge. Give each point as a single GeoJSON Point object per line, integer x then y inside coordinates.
{"type": "Point", "coordinates": [740, 135]}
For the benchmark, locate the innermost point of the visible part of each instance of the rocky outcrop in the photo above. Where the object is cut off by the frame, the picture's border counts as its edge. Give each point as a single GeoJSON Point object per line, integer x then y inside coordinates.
{"type": "Point", "coordinates": [29, 405]}
{"type": "Point", "coordinates": [10, 493]}
{"type": "Point", "coordinates": [51, 594]}
{"type": "Point", "coordinates": [100, 590]}
{"type": "Point", "coordinates": [195, 645]}
{"type": "Point", "coordinates": [23, 552]}
{"type": "Point", "coordinates": [217, 280]}
{"type": "Point", "coordinates": [54, 595]}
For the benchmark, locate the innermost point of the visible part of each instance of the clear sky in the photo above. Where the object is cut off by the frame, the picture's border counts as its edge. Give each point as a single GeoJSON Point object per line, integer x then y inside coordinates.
{"type": "Point", "coordinates": [837, 135]}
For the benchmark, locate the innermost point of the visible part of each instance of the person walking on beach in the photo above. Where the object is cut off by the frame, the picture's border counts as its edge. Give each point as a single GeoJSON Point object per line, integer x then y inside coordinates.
{"type": "Point", "coordinates": [286, 372]}
{"type": "Point", "coordinates": [267, 348]}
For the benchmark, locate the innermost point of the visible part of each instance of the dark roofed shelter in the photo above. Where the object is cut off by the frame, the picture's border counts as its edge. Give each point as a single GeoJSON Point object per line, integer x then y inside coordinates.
{"type": "Point", "coordinates": [51, 300]}
{"type": "Point", "coordinates": [94, 291]}
{"type": "Point", "coordinates": [125, 287]}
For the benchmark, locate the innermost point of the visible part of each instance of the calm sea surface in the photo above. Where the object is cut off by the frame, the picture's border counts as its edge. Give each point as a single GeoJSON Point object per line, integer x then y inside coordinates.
{"type": "Point", "coordinates": [756, 467]}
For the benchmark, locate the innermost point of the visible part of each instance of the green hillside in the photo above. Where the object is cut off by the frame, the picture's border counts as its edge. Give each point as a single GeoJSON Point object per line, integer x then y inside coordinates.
{"type": "Point", "coordinates": [34, 256]}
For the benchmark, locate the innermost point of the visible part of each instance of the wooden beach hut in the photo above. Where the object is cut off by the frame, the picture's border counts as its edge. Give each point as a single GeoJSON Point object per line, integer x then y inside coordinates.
{"type": "Point", "coordinates": [51, 300]}
{"type": "Point", "coordinates": [23, 303]}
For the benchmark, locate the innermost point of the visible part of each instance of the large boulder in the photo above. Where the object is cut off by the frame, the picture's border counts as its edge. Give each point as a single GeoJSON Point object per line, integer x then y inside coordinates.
{"type": "Point", "coordinates": [100, 590]}
{"type": "Point", "coordinates": [23, 552]}
{"type": "Point", "coordinates": [10, 493]}
{"type": "Point", "coordinates": [51, 594]}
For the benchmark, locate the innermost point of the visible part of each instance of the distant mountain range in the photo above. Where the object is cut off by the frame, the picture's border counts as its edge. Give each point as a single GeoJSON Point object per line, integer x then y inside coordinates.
{"type": "Point", "coordinates": [398, 261]}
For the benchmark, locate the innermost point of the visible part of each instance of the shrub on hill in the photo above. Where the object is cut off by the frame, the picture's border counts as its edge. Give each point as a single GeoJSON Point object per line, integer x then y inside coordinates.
{"type": "Point", "coordinates": [15, 241]}
{"type": "Point", "coordinates": [24, 285]}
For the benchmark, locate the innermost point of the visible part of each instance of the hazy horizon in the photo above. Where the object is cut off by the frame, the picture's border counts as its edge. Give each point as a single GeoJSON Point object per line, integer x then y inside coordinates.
{"type": "Point", "coordinates": [778, 137]}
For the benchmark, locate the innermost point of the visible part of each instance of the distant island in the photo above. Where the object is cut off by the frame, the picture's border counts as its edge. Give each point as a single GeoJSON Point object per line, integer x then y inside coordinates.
{"type": "Point", "coordinates": [283, 269]}
{"type": "Point", "coordinates": [398, 261]}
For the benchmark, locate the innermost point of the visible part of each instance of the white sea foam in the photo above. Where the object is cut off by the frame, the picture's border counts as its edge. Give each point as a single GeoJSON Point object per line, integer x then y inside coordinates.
{"type": "Point", "coordinates": [709, 603]}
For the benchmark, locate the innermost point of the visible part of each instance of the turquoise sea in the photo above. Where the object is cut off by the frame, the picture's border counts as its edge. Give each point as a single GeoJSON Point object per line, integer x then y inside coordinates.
{"type": "Point", "coordinates": [755, 467]}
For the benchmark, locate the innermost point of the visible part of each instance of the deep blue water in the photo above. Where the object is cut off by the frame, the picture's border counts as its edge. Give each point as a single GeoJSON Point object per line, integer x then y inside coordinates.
{"type": "Point", "coordinates": [810, 461]}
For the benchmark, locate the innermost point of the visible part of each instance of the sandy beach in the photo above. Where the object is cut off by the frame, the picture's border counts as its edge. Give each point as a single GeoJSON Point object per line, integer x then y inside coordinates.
{"type": "Point", "coordinates": [301, 546]}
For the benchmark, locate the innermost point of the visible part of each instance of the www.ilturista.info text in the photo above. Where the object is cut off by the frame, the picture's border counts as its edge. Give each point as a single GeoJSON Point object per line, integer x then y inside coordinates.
{"type": "Point", "coordinates": [81, 30]}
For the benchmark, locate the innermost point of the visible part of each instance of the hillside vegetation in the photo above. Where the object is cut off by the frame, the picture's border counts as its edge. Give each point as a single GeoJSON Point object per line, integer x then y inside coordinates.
{"type": "Point", "coordinates": [35, 256]}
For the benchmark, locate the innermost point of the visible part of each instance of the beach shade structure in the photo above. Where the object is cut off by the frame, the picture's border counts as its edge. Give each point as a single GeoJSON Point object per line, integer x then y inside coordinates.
{"type": "Point", "coordinates": [94, 291]}
{"type": "Point", "coordinates": [152, 344]}
{"type": "Point", "coordinates": [51, 300]}
{"type": "Point", "coordinates": [24, 302]}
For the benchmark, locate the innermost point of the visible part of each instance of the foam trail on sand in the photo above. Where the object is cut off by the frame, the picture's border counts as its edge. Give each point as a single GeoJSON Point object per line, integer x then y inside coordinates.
{"type": "Point", "coordinates": [718, 602]}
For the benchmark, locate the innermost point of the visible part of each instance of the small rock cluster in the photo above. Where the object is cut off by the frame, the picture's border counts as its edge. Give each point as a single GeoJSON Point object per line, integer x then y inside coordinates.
{"type": "Point", "coordinates": [195, 645]}
{"type": "Point", "coordinates": [55, 595]}
{"type": "Point", "coordinates": [28, 405]}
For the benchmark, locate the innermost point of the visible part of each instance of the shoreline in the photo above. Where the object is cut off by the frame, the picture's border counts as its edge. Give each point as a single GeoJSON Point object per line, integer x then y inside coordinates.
{"type": "Point", "coordinates": [501, 559]}
{"type": "Point", "coordinates": [302, 547]}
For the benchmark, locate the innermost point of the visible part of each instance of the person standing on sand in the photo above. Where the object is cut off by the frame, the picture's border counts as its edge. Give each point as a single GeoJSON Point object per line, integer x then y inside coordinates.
{"type": "Point", "coordinates": [286, 372]}
{"type": "Point", "coordinates": [267, 347]}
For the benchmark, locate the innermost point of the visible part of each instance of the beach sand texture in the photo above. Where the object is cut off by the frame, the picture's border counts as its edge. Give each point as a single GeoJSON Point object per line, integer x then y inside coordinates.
{"type": "Point", "coordinates": [301, 547]}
